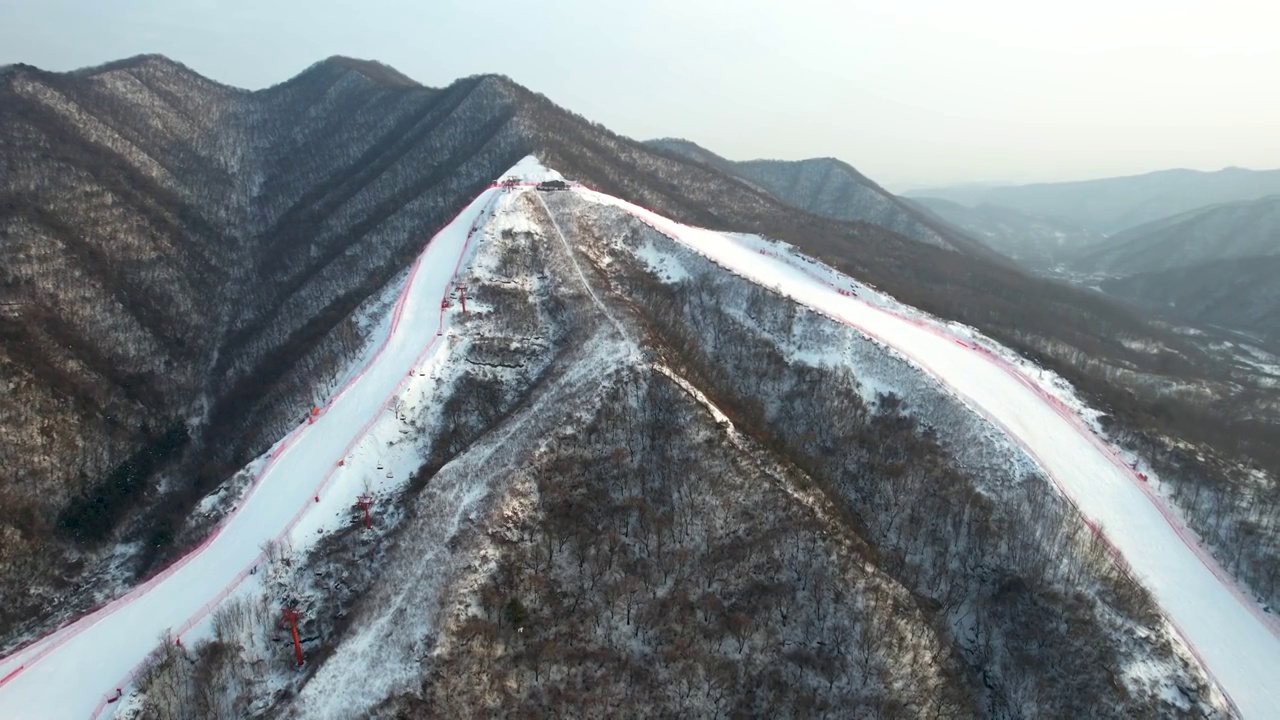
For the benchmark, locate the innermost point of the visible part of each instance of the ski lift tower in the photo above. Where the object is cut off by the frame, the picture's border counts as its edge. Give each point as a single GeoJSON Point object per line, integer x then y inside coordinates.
{"type": "Point", "coordinates": [290, 615]}
{"type": "Point", "coordinates": [365, 501]}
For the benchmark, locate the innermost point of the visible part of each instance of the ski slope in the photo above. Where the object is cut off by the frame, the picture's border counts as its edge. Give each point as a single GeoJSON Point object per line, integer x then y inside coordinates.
{"type": "Point", "coordinates": [1236, 642]}
{"type": "Point", "coordinates": [73, 672]}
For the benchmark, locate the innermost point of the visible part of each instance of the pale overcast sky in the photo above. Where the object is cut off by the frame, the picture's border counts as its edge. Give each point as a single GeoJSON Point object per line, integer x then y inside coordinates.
{"type": "Point", "coordinates": [911, 92]}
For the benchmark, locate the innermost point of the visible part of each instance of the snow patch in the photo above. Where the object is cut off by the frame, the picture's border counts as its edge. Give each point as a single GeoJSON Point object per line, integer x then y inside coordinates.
{"type": "Point", "coordinates": [531, 169]}
{"type": "Point", "coordinates": [664, 265]}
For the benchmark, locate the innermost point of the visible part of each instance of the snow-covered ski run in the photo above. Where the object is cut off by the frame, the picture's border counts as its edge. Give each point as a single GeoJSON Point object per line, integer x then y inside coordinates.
{"type": "Point", "coordinates": [1234, 639]}
{"type": "Point", "coordinates": [73, 672]}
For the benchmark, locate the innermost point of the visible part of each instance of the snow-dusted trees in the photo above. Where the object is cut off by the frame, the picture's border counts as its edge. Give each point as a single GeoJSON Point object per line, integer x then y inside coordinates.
{"type": "Point", "coordinates": [680, 576]}
{"type": "Point", "coordinates": [187, 257]}
{"type": "Point", "coordinates": [953, 514]}
{"type": "Point", "coordinates": [223, 678]}
{"type": "Point", "coordinates": [1208, 426]}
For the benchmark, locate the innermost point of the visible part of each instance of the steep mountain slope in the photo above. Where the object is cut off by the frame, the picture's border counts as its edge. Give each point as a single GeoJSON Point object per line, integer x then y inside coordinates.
{"type": "Point", "coordinates": [274, 219]}
{"type": "Point", "coordinates": [1111, 205]}
{"type": "Point", "coordinates": [613, 521]}
{"type": "Point", "coordinates": [1242, 294]}
{"type": "Point", "coordinates": [833, 189]}
{"type": "Point", "coordinates": [184, 259]}
{"type": "Point", "coordinates": [1037, 242]}
{"type": "Point", "coordinates": [1164, 392]}
{"type": "Point", "coordinates": [233, 235]}
{"type": "Point", "coordinates": [1100, 482]}
{"type": "Point", "coordinates": [296, 472]}
{"type": "Point", "coordinates": [1222, 232]}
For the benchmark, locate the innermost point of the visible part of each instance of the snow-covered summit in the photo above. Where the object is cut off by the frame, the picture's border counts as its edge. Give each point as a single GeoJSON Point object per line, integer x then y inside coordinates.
{"type": "Point", "coordinates": [530, 169]}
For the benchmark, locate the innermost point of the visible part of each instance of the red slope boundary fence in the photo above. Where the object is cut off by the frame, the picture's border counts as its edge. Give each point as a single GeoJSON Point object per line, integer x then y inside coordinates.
{"type": "Point", "coordinates": [1187, 536]}
{"type": "Point", "coordinates": [1271, 622]}
{"type": "Point", "coordinates": [397, 314]}
{"type": "Point", "coordinates": [52, 641]}
{"type": "Point", "coordinates": [1072, 417]}
{"type": "Point", "coordinates": [357, 438]}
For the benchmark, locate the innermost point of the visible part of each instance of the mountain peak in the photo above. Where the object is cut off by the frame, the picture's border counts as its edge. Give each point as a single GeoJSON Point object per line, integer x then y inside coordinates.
{"type": "Point", "coordinates": [130, 63]}
{"type": "Point", "coordinates": [676, 143]}
{"type": "Point", "coordinates": [380, 73]}
{"type": "Point", "coordinates": [136, 62]}
{"type": "Point", "coordinates": [496, 81]}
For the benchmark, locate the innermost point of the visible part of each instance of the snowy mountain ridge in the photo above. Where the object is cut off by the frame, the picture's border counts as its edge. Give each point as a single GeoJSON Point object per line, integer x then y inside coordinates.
{"type": "Point", "coordinates": [236, 233]}
{"type": "Point", "coordinates": [664, 463]}
{"type": "Point", "coordinates": [483, 494]}
{"type": "Point", "coordinates": [831, 188]}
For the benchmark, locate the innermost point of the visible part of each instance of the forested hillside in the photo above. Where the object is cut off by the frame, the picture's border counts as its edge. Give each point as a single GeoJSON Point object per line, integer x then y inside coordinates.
{"type": "Point", "coordinates": [1218, 232]}
{"type": "Point", "coordinates": [1037, 242]}
{"type": "Point", "coordinates": [182, 260]}
{"type": "Point", "coordinates": [186, 266]}
{"type": "Point", "coordinates": [636, 504]}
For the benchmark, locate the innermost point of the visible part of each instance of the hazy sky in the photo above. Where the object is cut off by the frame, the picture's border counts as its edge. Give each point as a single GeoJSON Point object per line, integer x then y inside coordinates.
{"type": "Point", "coordinates": [911, 92]}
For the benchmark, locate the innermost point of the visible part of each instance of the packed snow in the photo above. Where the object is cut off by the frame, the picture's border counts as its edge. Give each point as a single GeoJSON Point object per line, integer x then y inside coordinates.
{"type": "Point", "coordinates": [312, 475]}
{"type": "Point", "coordinates": [383, 655]}
{"type": "Point", "coordinates": [1234, 639]}
{"type": "Point", "coordinates": [74, 671]}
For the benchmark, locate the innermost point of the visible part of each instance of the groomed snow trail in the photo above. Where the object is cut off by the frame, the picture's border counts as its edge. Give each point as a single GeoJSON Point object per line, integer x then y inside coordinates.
{"type": "Point", "coordinates": [71, 673]}
{"type": "Point", "coordinates": [1235, 643]}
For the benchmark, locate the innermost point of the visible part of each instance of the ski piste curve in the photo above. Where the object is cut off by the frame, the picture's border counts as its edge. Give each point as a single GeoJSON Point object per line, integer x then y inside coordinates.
{"type": "Point", "coordinates": [1188, 536]}
{"type": "Point", "coordinates": [101, 650]}
{"type": "Point", "coordinates": [1250, 697]}
{"type": "Point", "coordinates": [1236, 642]}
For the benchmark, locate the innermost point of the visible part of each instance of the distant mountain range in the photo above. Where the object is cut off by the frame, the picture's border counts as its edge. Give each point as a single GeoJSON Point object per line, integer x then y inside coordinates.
{"type": "Point", "coordinates": [1216, 266]}
{"type": "Point", "coordinates": [1240, 294]}
{"type": "Point", "coordinates": [833, 189]}
{"type": "Point", "coordinates": [1111, 205]}
{"type": "Point", "coordinates": [1220, 232]}
{"type": "Point", "coordinates": [1037, 242]}
{"type": "Point", "coordinates": [1176, 242]}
